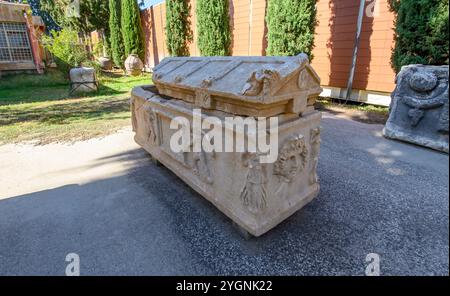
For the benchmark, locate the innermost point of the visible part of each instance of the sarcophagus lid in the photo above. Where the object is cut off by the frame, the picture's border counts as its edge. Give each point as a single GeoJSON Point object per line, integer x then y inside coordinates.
{"type": "Point", "coordinates": [252, 86]}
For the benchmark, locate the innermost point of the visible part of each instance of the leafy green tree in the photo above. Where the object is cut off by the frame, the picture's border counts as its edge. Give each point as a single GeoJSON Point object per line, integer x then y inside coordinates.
{"type": "Point", "coordinates": [213, 25]}
{"type": "Point", "coordinates": [132, 33]}
{"type": "Point", "coordinates": [67, 50]}
{"type": "Point", "coordinates": [92, 15]}
{"type": "Point", "coordinates": [178, 27]}
{"type": "Point", "coordinates": [291, 27]}
{"type": "Point", "coordinates": [116, 39]}
{"type": "Point", "coordinates": [421, 32]}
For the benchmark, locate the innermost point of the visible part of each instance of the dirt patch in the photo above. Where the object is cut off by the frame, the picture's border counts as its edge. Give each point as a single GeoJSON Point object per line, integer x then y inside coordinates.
{"type": "Point", "coordinates": [361, 113]}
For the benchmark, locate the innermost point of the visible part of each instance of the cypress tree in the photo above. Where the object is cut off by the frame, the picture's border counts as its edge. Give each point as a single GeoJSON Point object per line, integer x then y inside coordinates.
{"type": "Point", "coordinates": [116, 39]}
{"type": "Point", "coordinates": [421, 32]}
{"type": "Point", "coordinates": [291, 27]}
{"type": "Point", "coordinates": [178, 27]}
{"type": "Point", "coordinates": [133, 36]}
{"type": "Point", "coordinates": [213, 26]}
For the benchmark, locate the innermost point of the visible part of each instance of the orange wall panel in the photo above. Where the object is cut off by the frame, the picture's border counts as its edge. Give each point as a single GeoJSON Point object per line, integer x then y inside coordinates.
{"type": "Point", "coordinates": [334, 40]}
{"type": "Point", "coordinates": [335, 37]}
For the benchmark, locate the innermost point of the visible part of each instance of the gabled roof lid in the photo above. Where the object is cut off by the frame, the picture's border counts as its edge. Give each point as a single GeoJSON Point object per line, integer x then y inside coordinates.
{"type": "Point", "coordinates": [261, 80]}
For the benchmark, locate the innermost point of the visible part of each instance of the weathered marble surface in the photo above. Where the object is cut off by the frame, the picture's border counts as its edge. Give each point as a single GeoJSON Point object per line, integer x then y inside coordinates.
{"type": "Point", "coordinates": [83, 79]}
{"type": "Point", "coordinates": [134, 65]}
{"type": "Point", "coordinates": [250, 86]}
{"type": "Point", "coordinates": [254, 195]}
{"type": "Point", "coordinates": [419, 108]}
{"type": "Point", "coordinates": [105, 63]}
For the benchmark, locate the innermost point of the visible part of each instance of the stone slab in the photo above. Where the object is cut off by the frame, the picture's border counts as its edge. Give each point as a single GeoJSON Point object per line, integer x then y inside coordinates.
{"type": "Point", "coordinates": [419, 108]}
{"type": "Point", "coordinates": [83, 80]}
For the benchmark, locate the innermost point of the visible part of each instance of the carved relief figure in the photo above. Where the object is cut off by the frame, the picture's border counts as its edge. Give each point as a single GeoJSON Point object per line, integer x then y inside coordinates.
{"type": "Point", "coordinates": [146, 128]}
{"type": "Point", "coordinates": [429, 93]}
{"type": "Point", "coordinates": [254, 194]}
{"type": "Point", "coordinates": [315, 148]}
{"type": "Point", "coordinates": [261, 81]}
{"type": "Point", "coordinates": [201, 165]}
{"type": "Point", "coordinates": [303, 79]}
{"type": "Point", "coordinates": [150, 119]}
{"type": "Point", "coordinates": [203, 99]}
{"type": "Point", "coordinates": [291, 160]}
{"type": "Point", "coordinates": [134, 115]}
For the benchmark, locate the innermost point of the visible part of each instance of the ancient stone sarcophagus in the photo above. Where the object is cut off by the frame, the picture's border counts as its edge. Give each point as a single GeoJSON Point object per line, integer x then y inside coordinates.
{"type": "Point", "coordinates": [419, 108]}
{"type": "Point", "coordinates": [257, 188]}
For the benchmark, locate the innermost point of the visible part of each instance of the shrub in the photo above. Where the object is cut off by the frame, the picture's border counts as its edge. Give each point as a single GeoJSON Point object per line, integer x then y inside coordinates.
{"type": "Point", "coordinates": [133, 36]}
{"type": "Point", "coordinates": [98, 49]}
{"type": "Point", "coordinates": [213, 25]}
{"type": "Point", "coordinates": [66, 48]}
{"type": "Point", "coordinates": [115, 36]}
{"type": "Point", "coordinates": [421, 32]}
{"type": "Point", "coordinates": [291, 27]}
{"type": "Point", "coordinates": [178, 27]}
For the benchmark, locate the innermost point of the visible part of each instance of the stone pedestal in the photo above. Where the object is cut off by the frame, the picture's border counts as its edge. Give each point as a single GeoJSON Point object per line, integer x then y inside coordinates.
{"type": "Point", "coordinates": [83, 80]}
{"type": "Point", "coordinates": [419, 108]}
{"type": "Point", "coordinates": [257, 195]}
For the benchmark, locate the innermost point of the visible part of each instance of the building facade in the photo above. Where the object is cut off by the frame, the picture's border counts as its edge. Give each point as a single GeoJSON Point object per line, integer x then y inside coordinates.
{"type": "Point", "coordinates": [20, 49]}
{"type": "Point", "coordinates": [332, 56]}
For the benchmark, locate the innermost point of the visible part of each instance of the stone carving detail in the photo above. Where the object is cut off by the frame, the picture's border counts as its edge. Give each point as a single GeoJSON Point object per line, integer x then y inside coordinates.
{"type": "Point", "coordinates": [314, 158]}
{"type": "Point", "coordinates": [254, 193]}
{"type": "Point", "coordinates": [150, 120]}
{"type": "Point", "coordinates": [203, 98]}
{"type": "Point", "coordinates": [201, 165]}
{"type": "Point", "coordinates": [207, 82]}
{"type": "Point", "coordinates": [261, 81]}
{"type": "Point", "coordinates": [179, 78]}
{"type": "Point", "coordinates": [422, 82]}
{"type": "Point", "coordinates": [303, 79]}
{"type": "Point", "coordinates": [157, 76]}
{"type": "Point", "coordinates": [419, 108]}
{"type": "Point", "coordinates": [291, 160]}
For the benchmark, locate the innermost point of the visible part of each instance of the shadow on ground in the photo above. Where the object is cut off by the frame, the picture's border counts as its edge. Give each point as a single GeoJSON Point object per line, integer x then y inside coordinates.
{"type": "Point", "coordinates": [374, 199]}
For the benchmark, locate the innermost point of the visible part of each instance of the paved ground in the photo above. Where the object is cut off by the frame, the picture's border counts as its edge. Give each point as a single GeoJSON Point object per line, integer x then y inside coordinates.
{"type": "Point", "coordinates": [104, 200]}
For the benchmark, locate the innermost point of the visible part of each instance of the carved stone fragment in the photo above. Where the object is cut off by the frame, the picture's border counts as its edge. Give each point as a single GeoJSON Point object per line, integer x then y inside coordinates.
{"type": "Point", "coordinates": [419, 108]}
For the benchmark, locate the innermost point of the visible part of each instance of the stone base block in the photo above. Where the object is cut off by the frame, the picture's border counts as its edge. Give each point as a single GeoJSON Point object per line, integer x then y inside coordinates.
{"type": "Point", "coordinates": [83, 80]}
{"type": "Point", "coordinates": [257, 196]}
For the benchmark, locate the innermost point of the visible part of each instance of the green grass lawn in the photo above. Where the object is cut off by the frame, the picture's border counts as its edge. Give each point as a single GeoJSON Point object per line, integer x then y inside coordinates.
{"type": "Point", "coordinates": [38, 108]}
